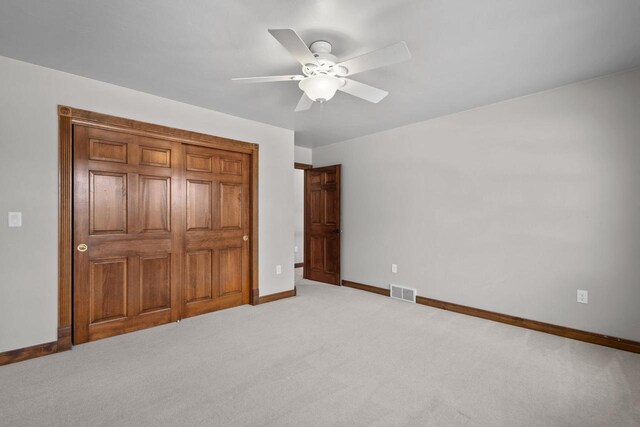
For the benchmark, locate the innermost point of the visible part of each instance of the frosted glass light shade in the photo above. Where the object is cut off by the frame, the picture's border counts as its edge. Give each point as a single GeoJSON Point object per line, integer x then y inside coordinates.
{"type": "Point", "coordinates": [320, 88]}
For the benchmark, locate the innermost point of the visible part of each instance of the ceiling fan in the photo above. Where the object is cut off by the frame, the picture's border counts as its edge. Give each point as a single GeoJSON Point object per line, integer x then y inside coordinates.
{"type": "Point", "coordinates": [322, 74]}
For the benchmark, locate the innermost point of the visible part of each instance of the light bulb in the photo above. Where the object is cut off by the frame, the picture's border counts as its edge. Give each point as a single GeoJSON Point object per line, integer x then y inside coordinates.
{"type": "Point", "coordinates": [320, 88]}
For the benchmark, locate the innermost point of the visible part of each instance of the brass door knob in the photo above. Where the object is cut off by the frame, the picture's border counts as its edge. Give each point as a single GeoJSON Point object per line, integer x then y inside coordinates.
{"type": "Point", "coordinates": [245, 237]}
{"type": "Point", "coordinates": [82, 247]}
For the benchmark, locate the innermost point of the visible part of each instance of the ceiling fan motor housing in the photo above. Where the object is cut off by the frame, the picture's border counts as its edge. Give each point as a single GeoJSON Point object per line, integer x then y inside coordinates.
{"type": "Point", "coordinates": [320, 46]}
{"type": "Point", "coordinates": [321, 49]}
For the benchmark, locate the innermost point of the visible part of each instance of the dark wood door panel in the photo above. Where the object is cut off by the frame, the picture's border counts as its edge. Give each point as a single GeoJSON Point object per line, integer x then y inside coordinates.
{"type": "Point", "coordinates": [217, 210]}
{"type": "Point", "coordinates": [154, 204]}
{"type": "Point", "coordinates": [202, 282]}
{"type": "Point", "coordinates": [155, 156]}
{"type": "Point", "coordinates": [108, 151]}
{"type": "Point", "coordinates": [212, 275]}
{"type": "Point", "coordinates": [128, 277]}
{"type": "Point", "coordinates": [231, 206]}
{"type": "Point", "coordinates": [197, 162]}
{"type": "Point", "coordinates": [166, 226]}
{"type": "Point", "coordinates": [230, 270]}
{"type": "Point", "coordinates": [322, 224]}
{"type": "Point", "coordinates": [332, 254]}
{"type": "Point", "coordinates": [155, 283]}
{"type": "Point", "coordinates": [315, 206]}
{"type": "Point", "coordinates": [107, 203]}
{"type": "Point", "coordinates": [331, 214]}
{"type": "Point", "coordinates": [214, 280]}
{"type": "Point", "coordinates": [316, 253]}
{"type": "Point", "coordinates": [108, 289]}
{"type": "Point", "coordinates": [200, 209]}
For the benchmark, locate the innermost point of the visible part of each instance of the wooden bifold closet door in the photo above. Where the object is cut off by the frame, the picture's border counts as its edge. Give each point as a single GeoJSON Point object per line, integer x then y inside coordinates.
{"type": "Point", "coordinates": [159, 231]}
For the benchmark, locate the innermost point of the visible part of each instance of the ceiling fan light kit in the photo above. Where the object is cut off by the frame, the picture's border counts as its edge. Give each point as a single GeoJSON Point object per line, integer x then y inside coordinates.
{"type": "Point", "coordinates": [323, 75]}
{"type": "Point", "coordinates": [320, 88]}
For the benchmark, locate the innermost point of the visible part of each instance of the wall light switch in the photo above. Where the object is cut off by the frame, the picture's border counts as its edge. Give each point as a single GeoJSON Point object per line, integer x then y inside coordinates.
{"type": "Point", "coordinates": [583, 296]}
{"type": "Point", "coordinates": [15, 219]}
{"type": "Point", "coordinates": [295, 249]}
{"type": "Point", "coordinates": [278, 269]}
{"type": "Point", "coordinates": [394, 268]}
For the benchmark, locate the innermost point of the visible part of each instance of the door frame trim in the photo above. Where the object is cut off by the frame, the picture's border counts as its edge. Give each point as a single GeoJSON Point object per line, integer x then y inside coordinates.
{"type": "Point", "coordinates": [302, 166]}
{"type": "Point", "coordinates": [67, 117]}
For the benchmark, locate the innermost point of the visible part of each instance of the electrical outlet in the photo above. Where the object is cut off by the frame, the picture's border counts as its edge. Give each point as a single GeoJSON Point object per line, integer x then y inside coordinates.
{"type": "Point", "coordinates": [583, 296]}
{"type": "Point", "coordinates": [278, 269]}
{"type": "Point", "coordinates": [394, 268]}
{"type": "Point", "coordinates": [15, 219]}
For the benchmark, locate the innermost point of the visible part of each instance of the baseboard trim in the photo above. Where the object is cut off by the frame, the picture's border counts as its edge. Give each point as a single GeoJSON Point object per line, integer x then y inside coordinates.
{"type": "Point", "coordinates": [278, 296]}
{"type": "Point", "coordinates": [298, 265]}
{"type": "Point", "coordinates": [64, 338]}
{"type": "Point", "coordinates": [562, 331]}
{"type": "Point", "coordinates": [368, 288]}
{"type": "Point", "coordinates": [26, 353]}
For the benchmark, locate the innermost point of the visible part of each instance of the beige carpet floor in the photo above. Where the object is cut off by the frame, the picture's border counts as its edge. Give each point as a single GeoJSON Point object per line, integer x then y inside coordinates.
{"type": "Point", "coordinates": [330, 356]}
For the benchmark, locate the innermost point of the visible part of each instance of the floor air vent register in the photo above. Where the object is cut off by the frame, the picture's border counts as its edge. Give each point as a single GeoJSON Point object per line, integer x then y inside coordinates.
{"type": "Point", "coordinates": [402, 293]}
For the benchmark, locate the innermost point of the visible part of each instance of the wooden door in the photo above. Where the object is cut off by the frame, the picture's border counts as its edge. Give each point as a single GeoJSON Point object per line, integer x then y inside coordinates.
{"type": "Point", "coordinates": [322, 224]}
{"type": "Point", "coordinates": [166, 229]}
{"type": "Point", "coordinates": [127, 214]}
{"type": "Point", "coordinates": [217, 229]}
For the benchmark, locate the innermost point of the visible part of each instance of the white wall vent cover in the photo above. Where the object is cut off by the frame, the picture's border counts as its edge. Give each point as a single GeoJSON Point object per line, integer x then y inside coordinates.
{"type": "Point", "coordinates": [405, 294]}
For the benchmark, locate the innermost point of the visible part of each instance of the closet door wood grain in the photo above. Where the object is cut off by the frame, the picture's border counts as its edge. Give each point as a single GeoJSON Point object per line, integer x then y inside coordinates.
{"type": "Point", "coordinates": [127, 212]}
{"type": "Point", "coordinates": [216, 236]}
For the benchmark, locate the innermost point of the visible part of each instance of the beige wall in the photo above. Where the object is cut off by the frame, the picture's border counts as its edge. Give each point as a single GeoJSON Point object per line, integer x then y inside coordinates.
{"type": "Point", "coordinates": [29, 95]}
{"type": "Point", "coordinates": [511, 207]}
{"type": "Point", "coordinates": [303, 155]}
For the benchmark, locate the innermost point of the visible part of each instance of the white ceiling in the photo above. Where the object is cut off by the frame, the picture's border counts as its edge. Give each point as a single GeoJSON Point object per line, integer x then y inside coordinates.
{"type": "Point", "coordinates": [465, 53]}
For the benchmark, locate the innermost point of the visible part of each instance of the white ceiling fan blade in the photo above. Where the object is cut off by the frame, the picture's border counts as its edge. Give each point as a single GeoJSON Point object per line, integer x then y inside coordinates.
{"type": "Point", "coordinates": [294, 44]}
{"type": "Point", "coordinates": [267, 79]}
{"type": "Point", "coordinates": [361, 90]}
{"type": "Point", "coordinates": [304, 104]}
{"type": "Point", "coordinates": [378, 58]}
